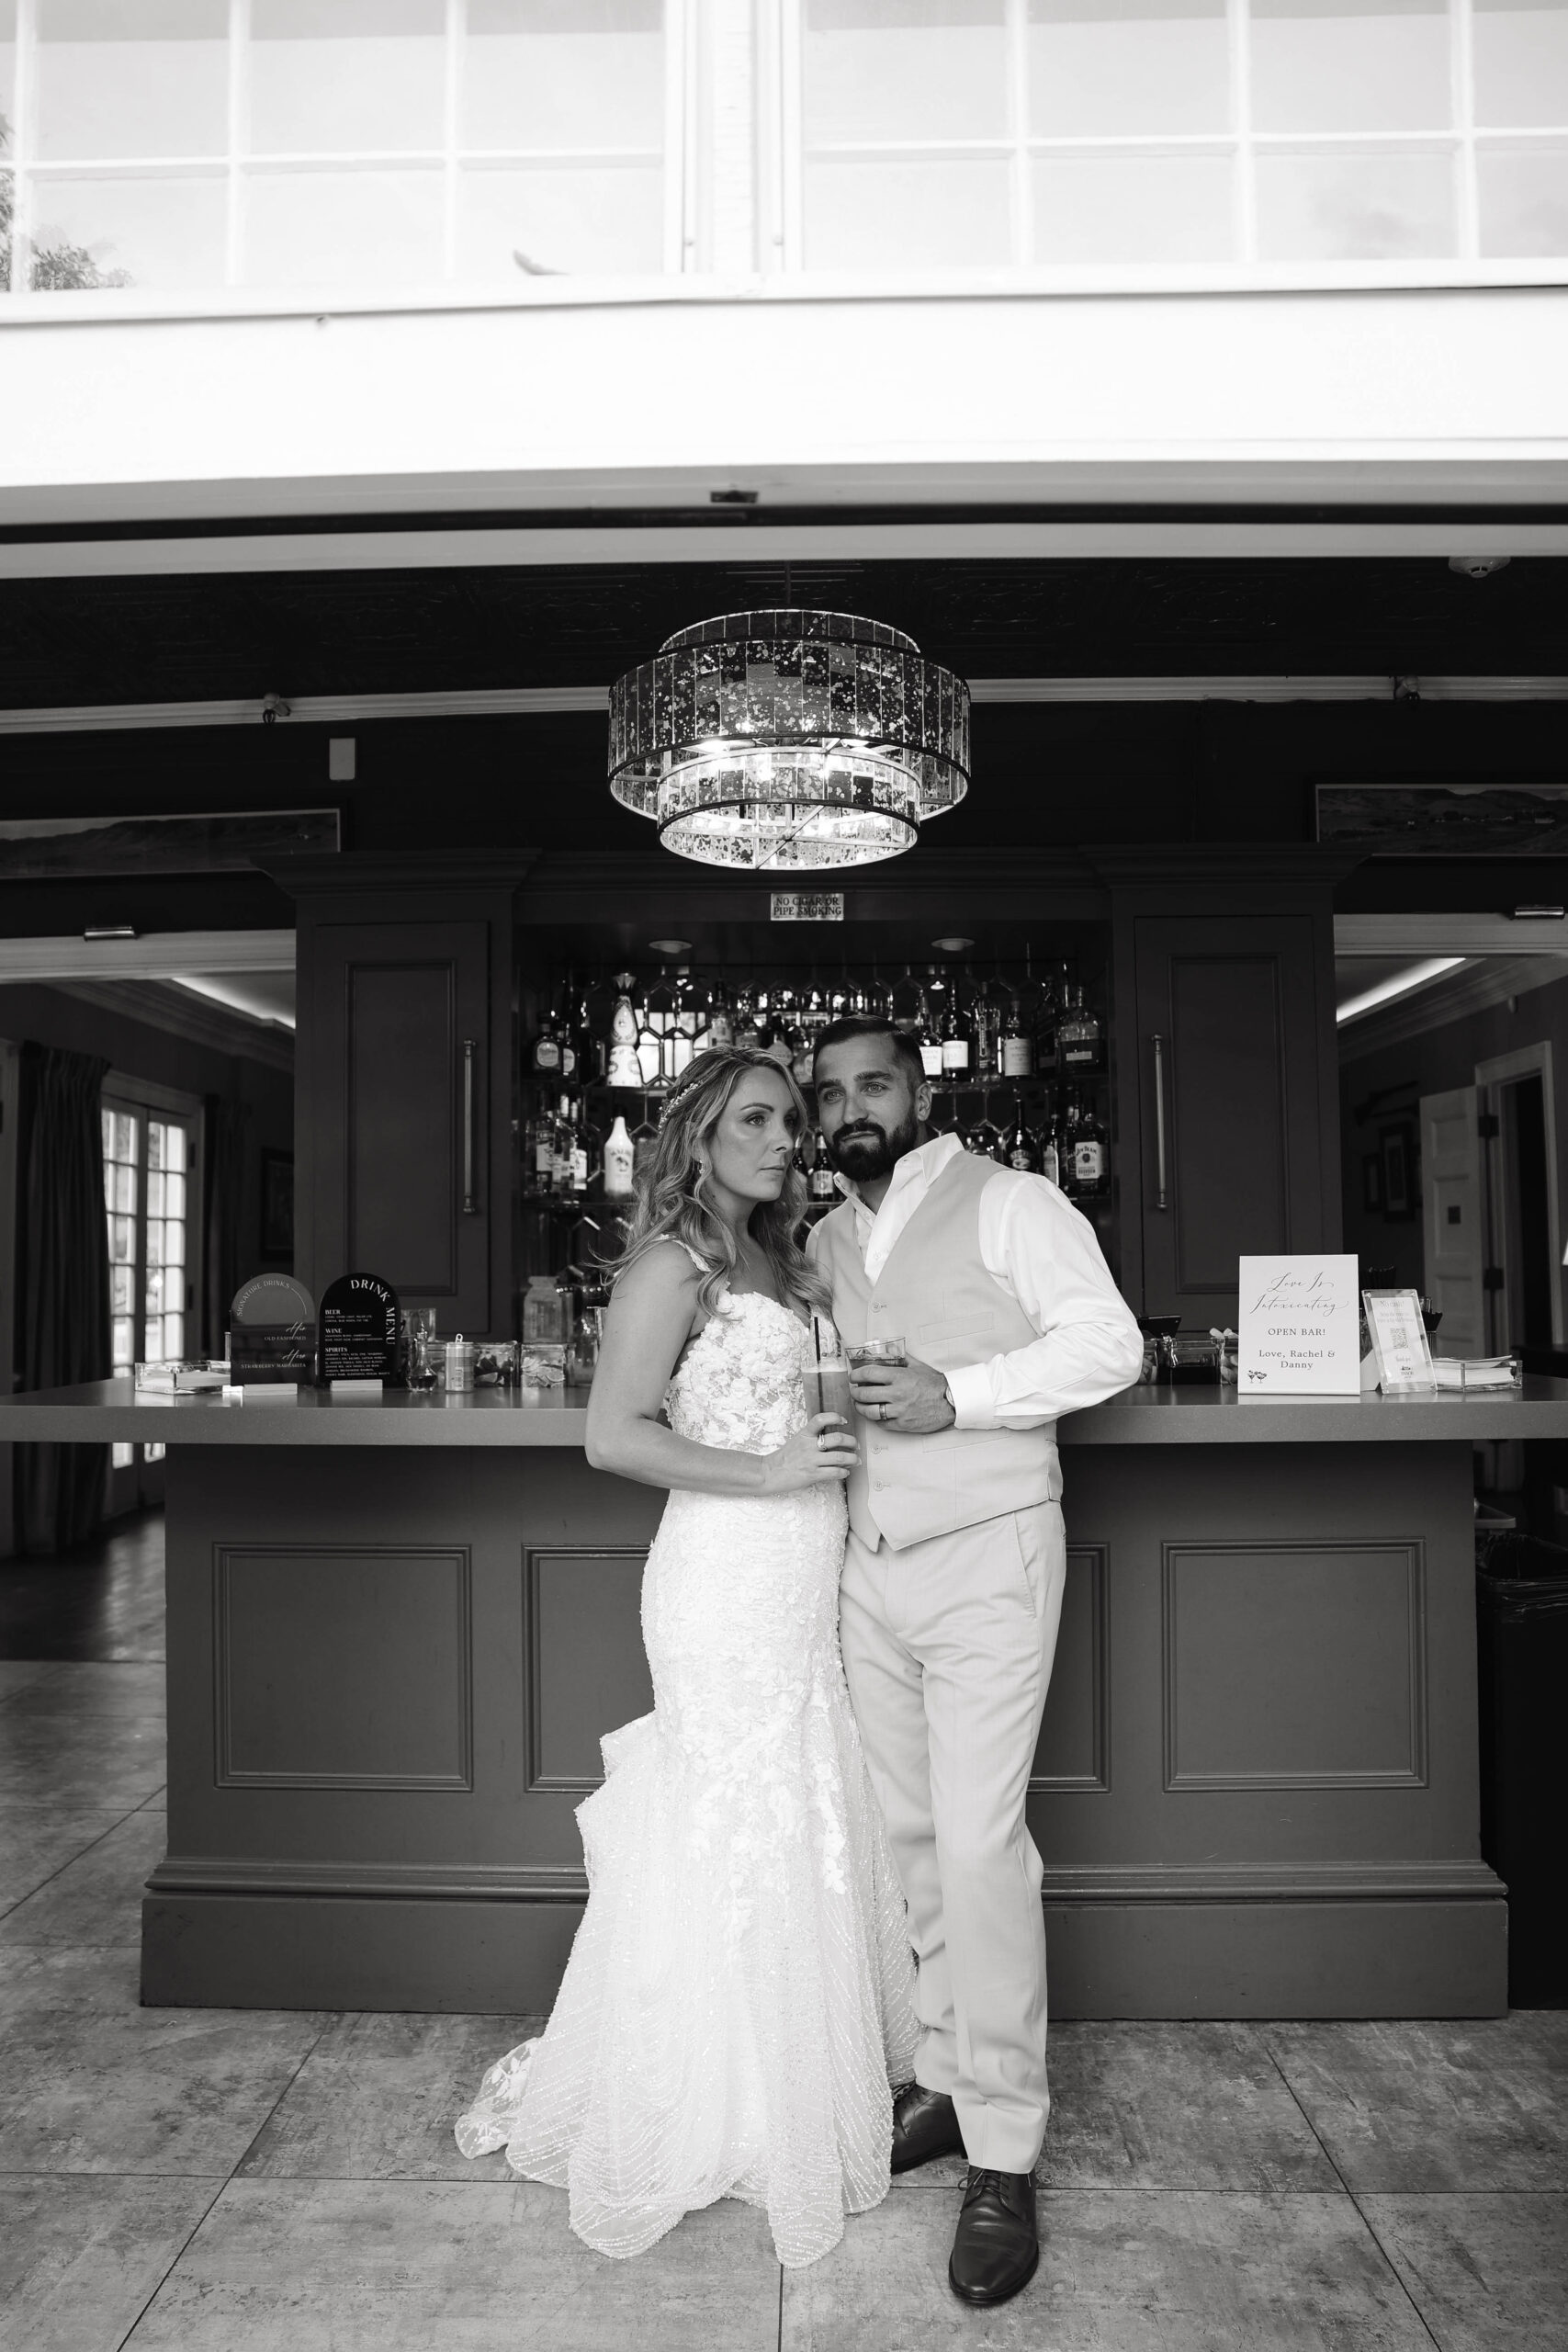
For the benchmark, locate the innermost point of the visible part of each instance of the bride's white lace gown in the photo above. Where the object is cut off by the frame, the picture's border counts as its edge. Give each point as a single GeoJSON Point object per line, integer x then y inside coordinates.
{"type": "Point", "coordinates": [738, 2000]}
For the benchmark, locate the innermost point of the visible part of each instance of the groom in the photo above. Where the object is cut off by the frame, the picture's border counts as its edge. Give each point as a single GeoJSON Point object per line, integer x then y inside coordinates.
{"type": "Point", "coordinates": [952, 1589]}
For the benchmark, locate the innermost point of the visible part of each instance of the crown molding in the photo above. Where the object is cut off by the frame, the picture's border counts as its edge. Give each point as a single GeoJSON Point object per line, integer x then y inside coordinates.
{"type": "Point", "coordinates": [1454, 996]}
{"type": "Point", "coordinates": [158, 1005]}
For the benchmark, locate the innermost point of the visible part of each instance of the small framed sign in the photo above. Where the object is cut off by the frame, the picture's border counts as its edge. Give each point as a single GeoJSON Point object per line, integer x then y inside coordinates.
{"type": "Point", "coordinates": [359, 1329]}
{"type": "Point", "coordinates": [1300, 1327]}
{"type": "Point", "coordinates": [1400, 1346]}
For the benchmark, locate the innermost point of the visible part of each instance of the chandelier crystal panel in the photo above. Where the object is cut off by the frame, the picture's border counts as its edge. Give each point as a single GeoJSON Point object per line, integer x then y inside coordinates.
{"type": "Point", "coordinates": [787, 740]}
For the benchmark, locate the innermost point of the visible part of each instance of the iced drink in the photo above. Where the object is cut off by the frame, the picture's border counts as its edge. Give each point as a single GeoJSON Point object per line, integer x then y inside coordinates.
{"type": "Point", "coordinates": [828, 1389]}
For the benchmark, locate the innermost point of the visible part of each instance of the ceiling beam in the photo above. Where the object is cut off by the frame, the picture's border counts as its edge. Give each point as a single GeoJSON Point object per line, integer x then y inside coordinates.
{"type": "Point", "coordinates": [523, 701]}
{"type": "Point", "coordinates": [454, 545]}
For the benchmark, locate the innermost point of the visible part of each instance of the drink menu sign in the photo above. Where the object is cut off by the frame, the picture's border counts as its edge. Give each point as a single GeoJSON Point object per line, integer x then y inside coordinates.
{"type": "Point", "coordinates": [1300, 1327]}
{"type": "Point", "coordinates": [359, 1329]}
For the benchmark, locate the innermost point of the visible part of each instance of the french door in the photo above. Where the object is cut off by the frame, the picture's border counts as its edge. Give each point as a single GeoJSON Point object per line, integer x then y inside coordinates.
{"type": "Point", "coordinates": [151, 1179]}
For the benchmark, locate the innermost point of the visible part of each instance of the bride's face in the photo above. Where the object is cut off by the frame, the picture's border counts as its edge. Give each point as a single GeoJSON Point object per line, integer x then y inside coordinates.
{"type": "Point", "coordinates": [756, 1136]}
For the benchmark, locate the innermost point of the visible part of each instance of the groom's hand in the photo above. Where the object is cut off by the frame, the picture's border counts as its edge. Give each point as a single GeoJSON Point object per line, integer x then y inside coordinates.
{"type": "Point", "coordinates": [908, 1396]}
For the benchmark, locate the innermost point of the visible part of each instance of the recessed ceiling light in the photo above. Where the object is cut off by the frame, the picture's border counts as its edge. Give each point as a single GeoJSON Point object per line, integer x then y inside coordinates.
{"type": "Point", "coordinates": [952, 946]}
{"type": "Point", "coordinates": [670, 946]}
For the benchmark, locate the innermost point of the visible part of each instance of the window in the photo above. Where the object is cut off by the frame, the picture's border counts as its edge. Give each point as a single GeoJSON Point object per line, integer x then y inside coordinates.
{"type": "Point", "coordinates": [984, 134]}
{"type": "Point", "coordinates": [174, 145]}
{"type": "Point", "coordinates": [149, 1187]}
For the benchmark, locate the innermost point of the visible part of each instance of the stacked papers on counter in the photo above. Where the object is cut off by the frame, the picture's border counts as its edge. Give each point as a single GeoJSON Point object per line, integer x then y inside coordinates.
{"type": "Point", "coordinates": [1480, 1372]}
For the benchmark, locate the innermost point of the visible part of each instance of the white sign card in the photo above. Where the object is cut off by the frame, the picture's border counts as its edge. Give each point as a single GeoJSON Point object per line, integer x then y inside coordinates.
{"type": "Point", "coordinates": [1300, 1327]}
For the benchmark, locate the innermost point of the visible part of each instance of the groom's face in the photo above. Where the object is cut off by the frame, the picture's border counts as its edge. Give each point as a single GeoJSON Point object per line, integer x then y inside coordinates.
{"type": "Point", "coordinates": [870, 1111]}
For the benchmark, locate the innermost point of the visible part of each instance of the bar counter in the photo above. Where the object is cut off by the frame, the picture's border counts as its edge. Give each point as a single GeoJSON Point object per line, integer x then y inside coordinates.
{"type": "Point", "coordinates": [1256, 1790]}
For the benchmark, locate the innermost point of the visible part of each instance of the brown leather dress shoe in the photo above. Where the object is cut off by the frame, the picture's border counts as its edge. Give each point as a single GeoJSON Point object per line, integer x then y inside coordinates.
{"type": "Point", "coordinates": [998, 2243]}
{"type": "Point", "coordinates": [925, 2124]}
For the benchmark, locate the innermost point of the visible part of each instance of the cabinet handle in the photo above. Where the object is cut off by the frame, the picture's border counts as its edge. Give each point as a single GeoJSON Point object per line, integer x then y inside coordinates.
{"type": "Point", "coordinates": [1160, 1200]}
{"type": "Point", "coordinates": [470, 1203]}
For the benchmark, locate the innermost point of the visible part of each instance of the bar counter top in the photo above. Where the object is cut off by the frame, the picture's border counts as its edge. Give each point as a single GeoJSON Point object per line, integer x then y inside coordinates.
{"type": "Point", "coordinates": [108, 1409]}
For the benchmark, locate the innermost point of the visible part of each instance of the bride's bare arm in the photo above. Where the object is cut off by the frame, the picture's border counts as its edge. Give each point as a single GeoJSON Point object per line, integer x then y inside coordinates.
{"type": "Point", "coordinates": [650, 1318]}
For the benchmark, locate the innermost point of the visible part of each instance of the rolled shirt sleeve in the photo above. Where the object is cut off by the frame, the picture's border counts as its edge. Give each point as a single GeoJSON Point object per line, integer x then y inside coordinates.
{"type": "Point", "coordinates": [1046, 1253]}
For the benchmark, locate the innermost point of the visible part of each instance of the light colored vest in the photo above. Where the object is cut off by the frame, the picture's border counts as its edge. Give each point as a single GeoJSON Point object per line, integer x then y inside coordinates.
{"type": "Point", "coordinates": [935, 1293]}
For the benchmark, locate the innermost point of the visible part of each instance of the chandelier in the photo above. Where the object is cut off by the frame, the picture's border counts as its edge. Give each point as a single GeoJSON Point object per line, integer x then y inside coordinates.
{"type": "Point", "coordinates": [789, 740]}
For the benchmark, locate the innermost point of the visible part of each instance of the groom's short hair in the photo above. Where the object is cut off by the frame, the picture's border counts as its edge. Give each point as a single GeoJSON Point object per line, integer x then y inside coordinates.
{"type": "Point", "coordinates": [861, 1024]}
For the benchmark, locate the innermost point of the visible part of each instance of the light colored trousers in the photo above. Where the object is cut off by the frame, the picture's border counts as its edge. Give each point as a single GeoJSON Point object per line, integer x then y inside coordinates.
{"type": "Point", "coordinates": [948, 1648]}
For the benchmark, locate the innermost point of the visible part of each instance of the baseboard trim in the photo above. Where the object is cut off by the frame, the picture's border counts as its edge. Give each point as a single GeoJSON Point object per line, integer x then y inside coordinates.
{"type": "Point", "coordinates": [291, 1950]}
{"type": "Point", "coordinates": [1065, 1884]}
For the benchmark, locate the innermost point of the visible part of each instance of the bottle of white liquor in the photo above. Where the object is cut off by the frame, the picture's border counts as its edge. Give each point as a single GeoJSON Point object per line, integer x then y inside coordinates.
{"type": "Point", "coordinates": [625, 1070]}
{"type": "Point", "coordinates": [620, 1154]}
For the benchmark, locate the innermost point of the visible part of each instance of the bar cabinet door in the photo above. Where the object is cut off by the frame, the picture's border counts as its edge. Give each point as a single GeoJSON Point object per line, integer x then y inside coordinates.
{"type": "Point", "coordinates": [1236, 1132]}
{"type": "Point", "coordinates": [402, 1176]}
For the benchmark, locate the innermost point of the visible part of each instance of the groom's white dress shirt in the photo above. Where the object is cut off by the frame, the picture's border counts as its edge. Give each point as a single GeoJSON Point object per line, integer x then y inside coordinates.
{"type": "Point", "coordinates": [1044, 1253]}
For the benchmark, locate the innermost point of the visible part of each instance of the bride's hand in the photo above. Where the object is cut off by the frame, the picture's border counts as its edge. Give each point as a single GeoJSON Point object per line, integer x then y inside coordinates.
{"type": "Point", "coordinates": [821, 1455]}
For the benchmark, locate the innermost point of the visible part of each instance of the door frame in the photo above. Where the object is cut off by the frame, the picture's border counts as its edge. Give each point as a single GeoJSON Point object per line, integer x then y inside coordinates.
{"type": "Point", "coordinates": [1490, 1077]}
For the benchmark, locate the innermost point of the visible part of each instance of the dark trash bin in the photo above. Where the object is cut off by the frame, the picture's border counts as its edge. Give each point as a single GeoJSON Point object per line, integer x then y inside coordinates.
{"type": "Point", "coordinates": [1522, 1613]}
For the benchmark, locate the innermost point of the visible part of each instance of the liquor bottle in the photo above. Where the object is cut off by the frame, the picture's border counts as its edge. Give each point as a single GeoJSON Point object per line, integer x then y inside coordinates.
{"type": "Point", "coordinates": [586, 1148]}
{"type": "Point", "coordinates": [779, 1041]}
{"type": "Point", "coordinates": [955, 1054]}
{"type": "Point", "coordinates": [1017, 1046]}
{"type": "Point", "coordinates": [650, 1046]}
{"type": "Point", "coordinates": [541, 1151]}
{"type": "Point", "coordinates": [926, 1033]}
{"type": "Point", "coordinates": [625, 1067]}
{"type": "Point", "coordinates": [569, 1029]}
{"type": "Point", "coordinates": [680, 1037]}
{"type": "Point", "coordinates": [1079, 1035]}
{"type": "Point", "coordinates": [813, 1020]}
{"type": "Point", "coordinates": [545, 1061]}
{"type": "Point", "coordinates": [747, 1031]}
{"type": "Point", "coordinates": [1091, 1159]}
{"type": "Point", "coordinates": [1022, 1150]}
{"type": "Point", "coordinates": [620, 1155]}
{"type": "Point", "coordinates": [1050, 1148]}
{"type": "Point", "coordinates": [985, 1026]}
{"type": "Point", "coordinates": [565, 1137]}
{"type": "Point", "coordinates": [1045, 1022]}
{"type": "Point", "coordinates": [720, 1036]}
{"type": "Point", "coordinates": [820, 1182]}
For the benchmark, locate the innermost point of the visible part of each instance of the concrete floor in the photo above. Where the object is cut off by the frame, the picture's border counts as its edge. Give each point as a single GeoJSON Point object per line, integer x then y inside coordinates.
{"type": "Point", "coordinates": [287, 2182]}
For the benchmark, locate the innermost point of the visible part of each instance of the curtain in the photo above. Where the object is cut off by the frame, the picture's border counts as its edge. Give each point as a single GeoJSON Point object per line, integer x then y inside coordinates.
{"type": "Point", "coordinates": [222, 1178]}
{"type": "Point", "coordinates": [63, 1283]}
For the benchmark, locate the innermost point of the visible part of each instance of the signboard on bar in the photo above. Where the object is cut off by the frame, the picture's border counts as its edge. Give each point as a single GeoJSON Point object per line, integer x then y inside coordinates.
{"type": "Point", "coordinates": [805, 906]}
{"type": "Point", "coordinates": [1300, 1327]}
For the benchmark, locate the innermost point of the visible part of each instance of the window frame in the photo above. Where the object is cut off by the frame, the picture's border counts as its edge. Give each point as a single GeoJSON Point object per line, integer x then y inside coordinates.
{"type": "Point", "coordinates": [238, 166]}
{"type": "Point", "coordinates": [139, 1480]}
{"type": "Point", "coordinates": [1461, 138]}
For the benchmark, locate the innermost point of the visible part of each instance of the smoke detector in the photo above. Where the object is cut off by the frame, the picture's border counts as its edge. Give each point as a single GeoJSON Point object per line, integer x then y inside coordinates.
{"type": "Point", "coordinates": [1477, 567]}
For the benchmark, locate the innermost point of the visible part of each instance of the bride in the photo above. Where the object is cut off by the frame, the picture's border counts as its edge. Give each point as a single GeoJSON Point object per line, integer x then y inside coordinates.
{"type": "Point", "coordinates": [736, 2009]}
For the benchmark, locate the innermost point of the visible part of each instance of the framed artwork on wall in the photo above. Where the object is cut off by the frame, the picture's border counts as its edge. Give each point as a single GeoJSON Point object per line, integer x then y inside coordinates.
{"type": "Point", "coordinates": [278, 1204]}
{"type": "Point", "coordinates": [1399, 1183]}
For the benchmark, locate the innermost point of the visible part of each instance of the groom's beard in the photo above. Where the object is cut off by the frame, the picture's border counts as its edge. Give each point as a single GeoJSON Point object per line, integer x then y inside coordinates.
{"type": "Point", "coordinates": [866, 1151]}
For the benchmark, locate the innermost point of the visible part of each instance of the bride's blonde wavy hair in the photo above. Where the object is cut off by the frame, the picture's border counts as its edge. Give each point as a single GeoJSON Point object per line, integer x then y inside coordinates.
{"type": "Point", "coordinates": [671, 1204]}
